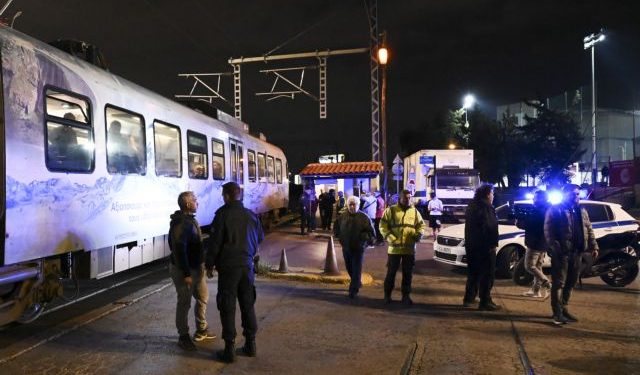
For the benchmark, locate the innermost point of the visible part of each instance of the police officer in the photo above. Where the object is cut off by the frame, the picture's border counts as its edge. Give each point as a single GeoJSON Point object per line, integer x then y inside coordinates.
{"type": "Point", "coordinates": [235, 235]}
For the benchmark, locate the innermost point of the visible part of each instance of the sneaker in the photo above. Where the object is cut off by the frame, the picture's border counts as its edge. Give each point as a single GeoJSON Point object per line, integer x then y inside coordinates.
{"type": "Point", "coordinates": [467, 303]}
{"type": "Point", "coordinates": [185, 343]}
{"type": "Point", "coordinates": [203, 335]}
{"type": "Point", "coordinates": [559, 320]}
{"type": "Point", "coordinates": [530, 293]}
{"type": "Point", "coordinates": [570, 317]}
{"type": "Point", "coordinates": [489, 306]}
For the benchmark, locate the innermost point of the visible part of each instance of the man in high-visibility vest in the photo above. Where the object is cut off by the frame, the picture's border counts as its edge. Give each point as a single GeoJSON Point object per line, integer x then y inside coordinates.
{"type": "Point", "coordinates": [402, 226]}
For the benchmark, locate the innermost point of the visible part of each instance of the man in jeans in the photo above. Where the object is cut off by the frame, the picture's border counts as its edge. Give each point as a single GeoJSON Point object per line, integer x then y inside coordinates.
{"type": "Point", "coordinates": [533, 225]}
{"type": "Point", "coordinates": [568, 232]}
{"type": "Point", "coordinates": [187, 270]}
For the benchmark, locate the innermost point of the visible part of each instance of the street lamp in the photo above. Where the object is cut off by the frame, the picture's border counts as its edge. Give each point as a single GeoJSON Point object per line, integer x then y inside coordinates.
{"type": "Point", "coordinates": [468, 102]}
{"type": "Point", "coordinates": [383, 58]}
{"type": "Point", "coordinates": [590, 43]}
{"type": "Point", "coordinates": [452, 146]}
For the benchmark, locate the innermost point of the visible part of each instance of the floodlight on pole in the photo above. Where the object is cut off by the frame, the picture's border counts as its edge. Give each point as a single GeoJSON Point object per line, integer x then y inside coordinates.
{"type": "Point", "coordinates": [589, 43]}
{"type": "Point", "coordinates": [468, 102]}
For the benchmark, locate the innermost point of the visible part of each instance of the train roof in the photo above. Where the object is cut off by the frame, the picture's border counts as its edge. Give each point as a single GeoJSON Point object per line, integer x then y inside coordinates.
{"type": "Point", "coordinates": [108, 77]}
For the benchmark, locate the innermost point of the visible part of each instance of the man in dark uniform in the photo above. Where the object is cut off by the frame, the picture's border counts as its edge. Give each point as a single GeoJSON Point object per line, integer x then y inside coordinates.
{"type": "Point", "coordinates": [235, 235]}
{"type": "Point", "coordinates": [481, 241]}
{"type": "Point", "coordinates": [187, 270]}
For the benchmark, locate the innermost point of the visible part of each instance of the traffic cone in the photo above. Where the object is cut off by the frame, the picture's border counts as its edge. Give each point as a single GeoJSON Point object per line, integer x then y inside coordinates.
{"type": "Point", "coordinates": [284, 265]}
{"type": "Point", "coordinates": [331, 264]}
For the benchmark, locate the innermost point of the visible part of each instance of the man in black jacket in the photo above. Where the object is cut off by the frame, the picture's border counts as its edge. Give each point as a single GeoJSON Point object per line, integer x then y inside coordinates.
{"type": "Point", "coordinates": [533, 225]}
{"type": "Point", "coordinates": [355, 232]}
{"type": "Point", "coordinates": [235, 235]}
{"type": "Point", "coordinates": [568, 232]}
{"type": "Point", "coordinates": [481, 241]}
{"type": "Point", "coordinates": [187, 270]}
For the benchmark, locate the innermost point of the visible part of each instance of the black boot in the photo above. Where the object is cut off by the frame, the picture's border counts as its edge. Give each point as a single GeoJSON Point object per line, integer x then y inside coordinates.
{"type": "Point", "coordinates": [228, 355]}
{"type": "Point", "coordinates": [249, 347]}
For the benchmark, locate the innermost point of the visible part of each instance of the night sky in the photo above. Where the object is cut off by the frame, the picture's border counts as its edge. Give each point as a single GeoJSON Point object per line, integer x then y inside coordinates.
{"type": "Point", "coordinates": [501, 51]}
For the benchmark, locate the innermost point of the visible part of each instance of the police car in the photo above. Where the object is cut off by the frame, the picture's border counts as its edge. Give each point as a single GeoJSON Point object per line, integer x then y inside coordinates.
{"type": "Point", "coordinates": [605, 218]}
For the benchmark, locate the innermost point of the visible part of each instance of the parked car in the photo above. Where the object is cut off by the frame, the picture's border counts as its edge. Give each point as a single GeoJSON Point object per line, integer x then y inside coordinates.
{"type": "Point", "coordinates": [605, 218]}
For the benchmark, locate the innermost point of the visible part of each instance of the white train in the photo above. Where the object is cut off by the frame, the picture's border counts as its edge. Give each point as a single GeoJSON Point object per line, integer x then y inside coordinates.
{"type": "Point", "coordinates": [92, 166]}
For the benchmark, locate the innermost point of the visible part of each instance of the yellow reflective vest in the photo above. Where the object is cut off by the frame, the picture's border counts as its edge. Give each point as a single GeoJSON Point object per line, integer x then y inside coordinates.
{"type": "Point", "coordinates": [402, 227]}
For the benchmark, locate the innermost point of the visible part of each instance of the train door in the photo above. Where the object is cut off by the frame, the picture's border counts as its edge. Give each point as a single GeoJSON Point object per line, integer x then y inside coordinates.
{"type": "Point", "coordinates": [237, 161]}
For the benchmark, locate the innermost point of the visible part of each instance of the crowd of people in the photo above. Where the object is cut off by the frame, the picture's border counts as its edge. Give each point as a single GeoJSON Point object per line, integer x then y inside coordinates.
{"type": "Point", "coordinates": [563, 231]}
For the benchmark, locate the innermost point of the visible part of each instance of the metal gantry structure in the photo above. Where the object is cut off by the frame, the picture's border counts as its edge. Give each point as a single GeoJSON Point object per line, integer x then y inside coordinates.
{"type": "Point", "coordinates": [372, 15]}
{"type": "Point", "coordinates": [282, 76]}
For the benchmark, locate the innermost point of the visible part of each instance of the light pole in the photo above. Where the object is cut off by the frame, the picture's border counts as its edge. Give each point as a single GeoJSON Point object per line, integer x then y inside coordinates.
{"type": "Point", "coordinates": [590, 42]}
{"type": "Point", "coordinates": [383, 58]}
{"type": "Point", "coordinates": [468, 102]}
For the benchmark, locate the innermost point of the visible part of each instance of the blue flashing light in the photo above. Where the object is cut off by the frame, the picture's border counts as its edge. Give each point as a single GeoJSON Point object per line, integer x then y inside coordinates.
{"type": "Point", "coordinates": [528, 196]}
{"type": "Point", "coordinates": [584, 194]}
{"type": "Point", "coordinates": [555, 197]}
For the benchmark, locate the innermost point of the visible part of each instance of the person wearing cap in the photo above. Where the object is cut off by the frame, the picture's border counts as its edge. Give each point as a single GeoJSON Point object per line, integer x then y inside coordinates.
{"type": "Point", "coordinates": [402, 226]}
{"type": "Point", "coordinates": [236, 233]}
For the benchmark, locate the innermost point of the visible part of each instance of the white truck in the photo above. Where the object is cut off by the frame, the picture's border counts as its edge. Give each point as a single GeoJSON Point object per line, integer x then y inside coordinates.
{"type": "Point", "coordinates": [449, 173]}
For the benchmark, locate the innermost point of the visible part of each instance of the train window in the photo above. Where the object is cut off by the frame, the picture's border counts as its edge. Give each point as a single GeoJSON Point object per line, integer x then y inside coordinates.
{"type": "Point", "coordinates": [167, 149]}
{"type": "Point", "coordinates": [278, 171]}
{"type": "Point", "coordinates": [125, 142]}
{"type": "Point", "coordinates": [197, 155]}
{"type": "Point", "coordinates": [262, 168]}
{"type": "Point", "coordinates": [251, 157]}
{"type": "Point", "coordinates": [232, 163]}
{"type": "Point", "coordinates": [270, 173]}
{"type": "Point", "coordinates": [240, 164]}
{"type": "Point", "coordinates": [63, 105]}
{"type": "Point", "coordinates": [69, 143]}
{"type": "Point", "coordinates": [217, 168]}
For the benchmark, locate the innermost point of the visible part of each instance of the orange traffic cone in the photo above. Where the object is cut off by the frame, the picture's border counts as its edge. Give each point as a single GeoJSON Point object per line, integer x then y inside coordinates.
{"type": "Point", "coordinates": [331, 264]}
{"type": "Point", "coordinates": [284, 265]}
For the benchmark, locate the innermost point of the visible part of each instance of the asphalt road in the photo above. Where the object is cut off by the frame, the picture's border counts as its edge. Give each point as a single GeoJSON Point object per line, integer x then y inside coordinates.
{"type": "Point", "coordinates": [315, 329]}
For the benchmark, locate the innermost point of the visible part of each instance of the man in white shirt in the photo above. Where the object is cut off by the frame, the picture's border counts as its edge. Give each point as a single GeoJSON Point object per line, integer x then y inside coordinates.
{"type": "Point", "coordinates": [435, 209]}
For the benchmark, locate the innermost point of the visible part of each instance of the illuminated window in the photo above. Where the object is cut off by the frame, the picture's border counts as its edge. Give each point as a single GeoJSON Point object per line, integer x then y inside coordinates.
{"type": "Point", "coordinates": [251, 157]}
{"type": "Point", "coordinates": [217, 160]}
{"type": "Point", "coordinates": [69, 132]}
{"type": "Point", "coordinates": [278, 171]}
{"type": "Point", "coordinates": [270, 172]}
{"type": "Point", "coordinates": [197, 155]}
{"type": "Point", "coordinates": [126, 151]}
{"type": "Point", "coordinates": [262, 168]}
{"type": "Point", "coordinates": [167, 149]}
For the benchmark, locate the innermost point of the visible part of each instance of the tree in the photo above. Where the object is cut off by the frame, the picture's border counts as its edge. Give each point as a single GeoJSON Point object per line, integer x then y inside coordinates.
{"type": "Point", "coordinates": [552, 142]}
{"type": "Point", "coordinates": [512, 150]}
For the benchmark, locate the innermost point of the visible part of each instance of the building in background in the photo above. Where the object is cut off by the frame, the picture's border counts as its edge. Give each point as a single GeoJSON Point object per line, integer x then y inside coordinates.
{"type": "Point", "coordinates": [617, 130]}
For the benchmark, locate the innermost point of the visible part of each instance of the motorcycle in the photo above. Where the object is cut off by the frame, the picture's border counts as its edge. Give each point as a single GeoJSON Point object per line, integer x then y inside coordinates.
{"type": "Point", "coordinates": [616, 264]}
